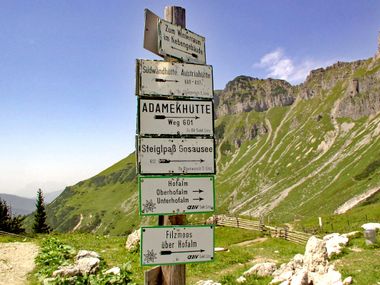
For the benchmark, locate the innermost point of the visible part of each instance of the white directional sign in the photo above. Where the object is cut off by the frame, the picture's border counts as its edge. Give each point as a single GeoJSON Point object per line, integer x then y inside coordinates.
{"type": "Point", "coordinates": [174, 117]}
{"type": "Point", "coordinates": [161, 78]}
{"type": "Point", "coordinates": [160, 195]}
{"type": "Point", "coordinates": [180, 43]}
{"type": "Point", "coordinates": [176, 244]}
{"type": "Point", "coordinates": [176, 155]}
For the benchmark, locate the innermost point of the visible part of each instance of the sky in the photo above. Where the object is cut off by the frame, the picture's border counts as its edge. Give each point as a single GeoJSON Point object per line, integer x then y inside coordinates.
{"type": "Point", "coordinates": [67, 70]}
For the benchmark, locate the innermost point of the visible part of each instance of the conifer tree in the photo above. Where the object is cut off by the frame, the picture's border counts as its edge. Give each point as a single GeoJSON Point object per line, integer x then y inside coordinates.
{"type": "Point", "coordinates": [9, 223]}
{"type": "Point", "coordinates": [5, 216]}
{"type": "Point", "coordinates": [40, 225]}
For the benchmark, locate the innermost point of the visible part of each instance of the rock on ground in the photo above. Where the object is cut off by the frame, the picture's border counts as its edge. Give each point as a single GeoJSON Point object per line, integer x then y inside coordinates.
{"type": "Point", "coordinates": [371, 226]}
{"type": "Point", "coordinates": [313, 267]}
{"type": "Point", "coordinates": [207, 282]}
{"type": "Point", "coordinates": [334, 243]}
{"type": "Point", "coordinates": [261, 269]}
{"type": "Point", "coordinates": [86, 262]}
{"type": "Point", "coordinates": [133, 240]}
{"type": "Point", "coordinates": [16, 261]}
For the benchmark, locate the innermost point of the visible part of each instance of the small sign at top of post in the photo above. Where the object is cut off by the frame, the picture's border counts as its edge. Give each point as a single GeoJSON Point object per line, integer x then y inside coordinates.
{"type": "Point", "coordinates": [180, 43]}
{"type": "Point", "coordinates": [166, 39]}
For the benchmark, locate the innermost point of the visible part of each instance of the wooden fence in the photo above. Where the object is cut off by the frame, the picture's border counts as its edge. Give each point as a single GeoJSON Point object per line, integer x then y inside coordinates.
{"type": "Point", "coordinates": [277, 232]}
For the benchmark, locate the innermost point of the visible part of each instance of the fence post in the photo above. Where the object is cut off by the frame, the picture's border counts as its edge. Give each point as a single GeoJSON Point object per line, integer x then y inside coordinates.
{"type": "Point", "coordinates": [286, 233]}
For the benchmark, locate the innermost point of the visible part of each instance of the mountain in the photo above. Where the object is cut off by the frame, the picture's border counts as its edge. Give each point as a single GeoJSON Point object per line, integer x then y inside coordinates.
{"type": "Point", "coordinates": [50, 196]}
{"type": "Point", "coordinates": [284, 152]}
{"type": "Point", "coordinates": [19, 205]}
{"type": "Point", "coordinates": [307, 158]}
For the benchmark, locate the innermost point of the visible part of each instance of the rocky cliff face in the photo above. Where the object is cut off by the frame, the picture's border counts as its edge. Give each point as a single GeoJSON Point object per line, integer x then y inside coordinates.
{"type": "Point", "coordinates": [244, 94]}
{"type": "Point", "coordinates": [360, 81]}
{"type": "Point", "coordinates": [362, 95]}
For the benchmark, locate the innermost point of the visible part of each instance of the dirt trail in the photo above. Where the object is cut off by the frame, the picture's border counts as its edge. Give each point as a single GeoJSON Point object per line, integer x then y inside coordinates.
{"type": "Point", "coordinates": [16, 261]}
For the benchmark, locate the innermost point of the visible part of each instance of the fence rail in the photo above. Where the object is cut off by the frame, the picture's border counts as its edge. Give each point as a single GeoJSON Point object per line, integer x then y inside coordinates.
{"type": "Point", "coordinates": [277, 232]}
{"type": "Point", "coordinates": [10, 234]}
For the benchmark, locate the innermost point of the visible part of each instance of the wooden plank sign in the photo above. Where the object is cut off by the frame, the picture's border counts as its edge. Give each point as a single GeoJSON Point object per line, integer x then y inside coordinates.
{"type": "Point", "coordinates": [162, 78]}
{"type": "Point", "coordinates": [167, 195]}
{"type": "Point", "coordinates": [151, 32]}
{"type": "Point", "coordinates": [175, 117]}
{"type": "Point", "coordinates": [176, 244]}
{"type": "Point", "coordinates": [178, 42]}
{"type": "Point", "coordinates": [176, 156]}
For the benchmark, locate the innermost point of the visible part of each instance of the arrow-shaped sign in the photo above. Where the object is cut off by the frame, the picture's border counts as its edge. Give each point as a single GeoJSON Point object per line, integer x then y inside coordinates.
{"type": "Point", "coordinates": [169, 252]}
{"type": "Point", "coordinates": [190, 53]}
{"type": "Point", "coordinates": [198, 191]}
{"type": "Point", "coordinates": [198, 199]}
{"type": "Point", "coordinates": [162, 117]}
{"type": "Point", "coordinates": [166, 80]}
{"type": "Point", "coordinates": [163, 160]}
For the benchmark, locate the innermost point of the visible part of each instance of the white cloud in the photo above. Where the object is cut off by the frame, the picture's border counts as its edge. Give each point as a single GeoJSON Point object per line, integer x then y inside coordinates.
{"type": "Point", "coordinates": [277, 65]}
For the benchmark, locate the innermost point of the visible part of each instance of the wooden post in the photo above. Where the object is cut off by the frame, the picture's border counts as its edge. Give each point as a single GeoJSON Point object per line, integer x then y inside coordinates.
{"type": "Point", "coordinates": [174, 274]}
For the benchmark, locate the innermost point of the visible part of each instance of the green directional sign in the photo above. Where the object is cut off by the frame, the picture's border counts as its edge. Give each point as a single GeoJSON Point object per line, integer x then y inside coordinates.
{"type": "Point", "coordinates": [168, 195]}
{"type": "Point", "coordinates": [176, 244]}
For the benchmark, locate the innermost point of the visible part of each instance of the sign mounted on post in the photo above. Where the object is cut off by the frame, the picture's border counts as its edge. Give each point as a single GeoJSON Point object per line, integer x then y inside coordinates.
{"type": "Point", "coordinates": [180, 43]}
{"type": "Point", "coordinates": [174, 117]}
{"type": "Point", "coordinates": [167, 195]}
{"type": "Point", "coordinates": [175, 156]}
{"type": "Point", "coordinates": [150, 31]}
{"type": "Point", "coordinates": [176, 244]}
{"type": "Point", "coordinates": [161, 78]}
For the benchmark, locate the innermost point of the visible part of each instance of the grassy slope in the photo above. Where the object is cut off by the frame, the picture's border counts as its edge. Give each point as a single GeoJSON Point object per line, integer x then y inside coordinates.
{"type": "Point", "coordinates": [104, 202]}
{"type": "Point", "coordinates": [288, 160]}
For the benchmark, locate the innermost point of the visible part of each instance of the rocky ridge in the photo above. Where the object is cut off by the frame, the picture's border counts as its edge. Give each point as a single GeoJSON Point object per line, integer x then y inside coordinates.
{"type": "Point", "coordinates": [360, 80]}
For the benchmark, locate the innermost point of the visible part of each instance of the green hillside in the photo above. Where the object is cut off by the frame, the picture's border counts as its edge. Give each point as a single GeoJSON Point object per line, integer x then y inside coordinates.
{"type": "Point", "coordinates": [283, 152]}
{"type": "Point", "coordinates": [105, 203]}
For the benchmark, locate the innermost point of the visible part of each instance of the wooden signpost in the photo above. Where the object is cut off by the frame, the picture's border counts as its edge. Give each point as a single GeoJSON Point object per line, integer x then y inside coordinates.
{"type": "Point", "coordinates": [175, 147]}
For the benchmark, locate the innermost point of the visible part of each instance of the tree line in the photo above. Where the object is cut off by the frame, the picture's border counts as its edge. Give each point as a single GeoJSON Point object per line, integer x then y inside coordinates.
{"type": "Point", "coordinates": [13, 224]}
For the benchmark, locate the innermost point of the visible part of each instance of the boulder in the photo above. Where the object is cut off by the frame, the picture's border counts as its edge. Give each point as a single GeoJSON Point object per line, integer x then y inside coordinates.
{"type": "Point", "coordinates": [352, 235]}
{"type": "Point", "coordinates": [66, 271]}
{"type": "Point", "coordinates": [347, 281]}
{"type": "Point", "coordinates": [241, 280]}
{"type": "Point", "coordinates": [133, 240]}
{"type": "Point", "coordinates": [207, 282]}
{"type": "Point", "coordinates": [114, 270]}
{"type": "Point", "coordinates": [297, 261]}
{"type": "Point", "coordinates": [331, 277]}
{"type": "Point", "coordinates": [87, 265]}
{"type": "Point", "coordinates": [86, 253]}
{"type": "Point", "coordinates": [371, 226]}
{"type": "Point", "coordinates": [315, 257]}
{"type": "Point", "coordinates": [334, 243]}
{"type": "Point", "coordinates": [300, 278]}
{"type": "Point", "coordinates": [287, 270]}
{"type": "Point", "coordinates": [284, 273]}
{"type": "Point", "coordinates": [86, 262]}
{"type": "Point", "coordinates": [261, 269]}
